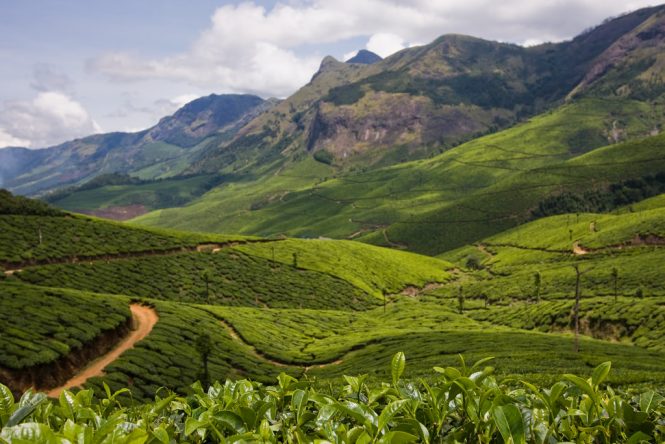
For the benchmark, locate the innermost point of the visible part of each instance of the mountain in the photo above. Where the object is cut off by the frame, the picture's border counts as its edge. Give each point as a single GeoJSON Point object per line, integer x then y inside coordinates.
{"type": "Point", "coordinates": [365, 57]}
{"type": "Point", "coordinates": [405, 151]}
{"type": "Point", "coordinates": [426, 99]}
{"type": "Point", "coordinates": [468, 191]}
{"type": "Point", "coordinates": [160, 151]}
{"type": "Point", "coordinates": [203, 117]}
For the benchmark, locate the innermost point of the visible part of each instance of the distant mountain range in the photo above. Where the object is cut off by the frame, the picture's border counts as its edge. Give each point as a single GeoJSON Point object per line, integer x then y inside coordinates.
{"type": "Point", "coordinates": [165, 149]}
{"type": "Point", "coordinates": [424, 130]}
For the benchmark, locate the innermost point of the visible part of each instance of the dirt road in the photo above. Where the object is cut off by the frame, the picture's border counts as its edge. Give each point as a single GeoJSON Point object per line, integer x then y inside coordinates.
{"type": "Point", "coordinates": [144, 319]}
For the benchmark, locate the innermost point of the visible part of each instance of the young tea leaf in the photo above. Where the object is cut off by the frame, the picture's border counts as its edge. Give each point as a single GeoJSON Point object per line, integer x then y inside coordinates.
{"type": "Point", "coordinates": [397, 366]}
{"type": "Point", "coordinates": [509, 421]}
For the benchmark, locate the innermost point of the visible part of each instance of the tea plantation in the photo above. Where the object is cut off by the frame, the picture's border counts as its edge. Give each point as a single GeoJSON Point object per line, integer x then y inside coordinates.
{"type": "Point", "coordinates": [40, 325]}
{"type": "Point", "coordinates": [321, 309]}
{"type": "Point", "coordinates": [225, 277]}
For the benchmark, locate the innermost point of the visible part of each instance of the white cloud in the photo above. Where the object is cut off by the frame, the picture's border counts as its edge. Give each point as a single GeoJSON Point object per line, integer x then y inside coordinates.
{"type": "Point", "coordinates": [349, 55]}
{"type": "Point", "coordinates": [183, 99]}
{"type": "Point", "coordinates": [48, 119]}
{"type": "Point", "coordinates": [7, 139]}
{"type": "Point", "coordinates": [385, 44]}
{"type": "Point", "coordinates": [532, 42]}
{"type": "Point", "coordinates": [248, 48]}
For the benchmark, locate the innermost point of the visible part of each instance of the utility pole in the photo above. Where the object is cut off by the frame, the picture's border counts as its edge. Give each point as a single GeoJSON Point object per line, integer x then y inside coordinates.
{"type": "Point", "coordinates": [576, 310]}
{"type": "Point", "coordinates": [460, 300]}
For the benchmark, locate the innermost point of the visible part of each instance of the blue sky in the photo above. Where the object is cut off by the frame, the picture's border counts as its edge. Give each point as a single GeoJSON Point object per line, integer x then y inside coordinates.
{"type": "Point", "coordinates": [70, 68]}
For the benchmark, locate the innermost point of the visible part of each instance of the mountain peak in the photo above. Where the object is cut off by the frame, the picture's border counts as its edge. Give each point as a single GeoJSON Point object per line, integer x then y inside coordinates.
{"type": "Point", "coordinates": [328, 62]}
{"type": "Point", "coordinates": [365, 57]}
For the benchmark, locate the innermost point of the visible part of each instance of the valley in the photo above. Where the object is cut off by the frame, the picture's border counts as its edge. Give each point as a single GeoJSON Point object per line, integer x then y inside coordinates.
{"type": "Point", "coordinates": [463, 241]}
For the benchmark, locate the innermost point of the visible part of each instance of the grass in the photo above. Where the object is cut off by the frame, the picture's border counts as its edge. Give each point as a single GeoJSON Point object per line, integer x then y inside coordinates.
{"type": "Point", "coordinates": [431, 334]}
{"type": "Point", "coordinates": [152, 195]}
{"type": "Point", "coordinates": [168, 356]}
{"type": "Point", "coordinates": [511, 259]}
{"type": "Point", "coordinates": [625, 320]}
{"type": "Point", "coordinates": [323, 316]}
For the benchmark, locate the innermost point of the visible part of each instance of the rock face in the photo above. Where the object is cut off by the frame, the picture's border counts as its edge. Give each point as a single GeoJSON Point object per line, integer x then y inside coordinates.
{"type": "Point", "coordinates": [633, 64]}
{"type": "Point", "coordinates": [365, 57]}
{"type": "Point", "coordinates": [381, 120]}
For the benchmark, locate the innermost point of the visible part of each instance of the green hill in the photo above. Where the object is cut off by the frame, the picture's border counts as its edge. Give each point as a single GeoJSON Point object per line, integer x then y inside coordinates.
{"type": "Point", "coordinates": [324, 308]}
{"type": "Point", "coordinates": [529, 175]}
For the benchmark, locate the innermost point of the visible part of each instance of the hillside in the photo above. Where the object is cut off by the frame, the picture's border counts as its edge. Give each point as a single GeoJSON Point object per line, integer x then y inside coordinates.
{"type": "Point", "coordinates": [426, 99]}
{"type": "Point", "coordinates": [441, 203]}
{"type": "Point", "coordinates": [321, 308]}
{"type": "Point", "coordinates": [418, 204]}
{"type": "Point", "coordinates": [598, 243]}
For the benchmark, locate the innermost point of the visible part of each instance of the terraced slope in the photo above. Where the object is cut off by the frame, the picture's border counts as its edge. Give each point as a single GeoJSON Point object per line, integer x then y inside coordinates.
{"type": "Point", "coordinates": [226, 278]}
{"type": "Point", "coordinates": [325, 308]}
{"type": "Point", "coordinates": [48, 333]}
{"type": "Point", "coordinates": [630, 242]}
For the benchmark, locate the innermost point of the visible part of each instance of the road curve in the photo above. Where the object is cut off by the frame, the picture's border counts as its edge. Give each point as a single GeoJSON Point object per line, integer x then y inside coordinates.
{"type": "Point", "coordinates": [144, 319]}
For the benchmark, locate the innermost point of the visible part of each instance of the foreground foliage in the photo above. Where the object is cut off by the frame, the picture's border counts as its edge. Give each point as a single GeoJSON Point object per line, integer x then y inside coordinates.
{"type": "Point", "coordinates": [459, 405]}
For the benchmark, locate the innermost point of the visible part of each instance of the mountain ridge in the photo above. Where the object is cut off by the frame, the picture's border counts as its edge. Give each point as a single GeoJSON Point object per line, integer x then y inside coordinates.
{"type": "Point", "coordinates": [173, 138]}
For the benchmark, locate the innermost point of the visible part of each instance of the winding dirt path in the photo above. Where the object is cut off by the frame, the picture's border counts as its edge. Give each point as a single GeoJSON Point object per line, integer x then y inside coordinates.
{"type": "Point", "coordinates": [144, 319]}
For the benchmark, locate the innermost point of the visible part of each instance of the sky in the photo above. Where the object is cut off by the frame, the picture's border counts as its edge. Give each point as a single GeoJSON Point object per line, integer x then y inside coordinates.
{"type": "Point", "coordinates": [71, 68]}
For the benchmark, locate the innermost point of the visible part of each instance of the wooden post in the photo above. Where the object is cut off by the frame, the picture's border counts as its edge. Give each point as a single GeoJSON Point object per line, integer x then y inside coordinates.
{"type": "Point", "coordinates": [576, 310]}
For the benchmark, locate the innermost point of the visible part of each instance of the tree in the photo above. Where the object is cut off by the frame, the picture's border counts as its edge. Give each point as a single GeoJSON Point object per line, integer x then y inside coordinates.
{"type": "Point", "coordinates": [204, 347]}
{"type": "Point", "coordinates": [206, 279]}
{"type": "Point", "coordinates": [460, 300]}
{"type": "Point", "coordinates": [615, 279]}
{"type": "Point", "coordinates": [473, 263]}
{"type": "Point", "coordinates": [639, 293]}
{"type": "Point", "coordinates": [536, 283]}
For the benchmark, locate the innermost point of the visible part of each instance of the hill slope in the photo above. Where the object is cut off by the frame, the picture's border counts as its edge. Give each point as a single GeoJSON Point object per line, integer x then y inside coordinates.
{"type": "Point", "coordinates": [316, 307]}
